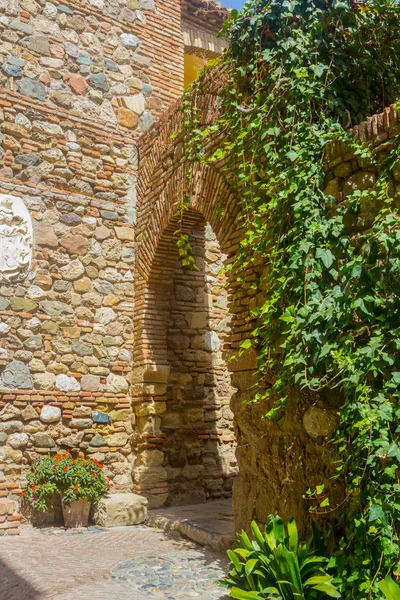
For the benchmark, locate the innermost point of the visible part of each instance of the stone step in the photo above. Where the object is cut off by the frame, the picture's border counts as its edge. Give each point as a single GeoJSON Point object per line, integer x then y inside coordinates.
{"type": "Point", "coordinates": [210, 524]}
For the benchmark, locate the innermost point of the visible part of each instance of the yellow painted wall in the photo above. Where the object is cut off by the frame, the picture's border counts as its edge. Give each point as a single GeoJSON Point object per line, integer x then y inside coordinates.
{"type": "Point", "coordinates": [193, 65]}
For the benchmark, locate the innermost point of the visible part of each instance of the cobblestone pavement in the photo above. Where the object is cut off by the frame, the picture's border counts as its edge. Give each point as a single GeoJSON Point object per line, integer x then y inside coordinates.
{"type": "Point", "coordinates": [125, 563]}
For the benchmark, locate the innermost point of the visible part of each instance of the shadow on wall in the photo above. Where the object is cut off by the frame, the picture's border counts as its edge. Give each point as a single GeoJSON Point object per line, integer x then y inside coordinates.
{"type": "Point", "coordinates": [14, 586]}
{"type": "Point", "coordinates": [200, 444]}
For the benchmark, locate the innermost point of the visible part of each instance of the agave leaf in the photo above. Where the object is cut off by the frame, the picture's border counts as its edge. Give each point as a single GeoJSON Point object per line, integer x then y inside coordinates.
{"type": "Point", "coordinates": [243, 552]}
{"type": "Point", "coordinates": [269, 534]}
{"type": "Point", "coordinates": [312, 566]}
{"type": "Point", "coordinates": [293, 535]}
{"type": "Point", "coordinates": [246, 541]}
{"type": "Point", "coordinates": [390, 589]}
{"type": "Point", "coordinates": [288, 566]}
{"type": "Point", "coordinates": [236, 562]}
{"type": "Point", "coordinates": [279, 529]}
{"type": "Point", "coordinates": [329, 590]}
{"type": "Point", "coordinates": [250, 565]}
{"type": "Point", "coordinates": [243, 595]}
{"type": "Point", "coordinates": [258, 535]}
{"type": "Point", "coordinates": [318, 579]}
{"type": "Point", "coordinates": [288, 591]}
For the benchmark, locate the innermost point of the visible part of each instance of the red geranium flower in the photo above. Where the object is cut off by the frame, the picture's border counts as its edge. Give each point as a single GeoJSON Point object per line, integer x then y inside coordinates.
{"type": "Point", "coordinates": [65, 468]}
{"type": "Point", "coordinates": [54, 468]}
{"type": "Point", "coordinates": [76, 486]}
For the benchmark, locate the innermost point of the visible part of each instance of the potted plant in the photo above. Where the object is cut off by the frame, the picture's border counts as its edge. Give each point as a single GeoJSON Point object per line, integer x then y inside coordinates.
{"type": "Point", "coordinates": [79, 481]}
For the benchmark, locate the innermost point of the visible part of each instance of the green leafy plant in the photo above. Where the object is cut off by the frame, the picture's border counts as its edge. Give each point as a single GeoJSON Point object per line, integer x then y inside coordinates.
{"type": "Point", "coordinates": [72, 478]}
{"type": "Point", "coordinates": [390, 589]}
{"type": "Point", "coordinates": [275, 565]}
{"type": "Point", "coordinates": [299, 74]}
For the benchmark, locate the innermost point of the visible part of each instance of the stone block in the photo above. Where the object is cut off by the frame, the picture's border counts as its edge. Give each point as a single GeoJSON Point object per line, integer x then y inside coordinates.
{"type": "Point", "coordinates": [244, 361]}
{"type": "Point", "coordinates": [196, 320]}
{"type": "Point", "coordinates": [318, 422]}
{"type": "Point", "coordinates": [120, 510]}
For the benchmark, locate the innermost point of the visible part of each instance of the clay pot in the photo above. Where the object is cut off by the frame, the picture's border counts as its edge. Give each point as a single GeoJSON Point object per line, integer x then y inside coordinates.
{"type": "Point", "coordinates": [76, 514]}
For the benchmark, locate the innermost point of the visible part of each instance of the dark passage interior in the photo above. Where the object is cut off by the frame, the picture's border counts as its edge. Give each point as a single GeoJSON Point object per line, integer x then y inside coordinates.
{"type": "Point", "coordinates": [200, 448]}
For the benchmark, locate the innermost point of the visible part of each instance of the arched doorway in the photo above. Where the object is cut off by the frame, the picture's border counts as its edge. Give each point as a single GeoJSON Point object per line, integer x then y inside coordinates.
{"type": "Point", "coordinates": [184, 431]}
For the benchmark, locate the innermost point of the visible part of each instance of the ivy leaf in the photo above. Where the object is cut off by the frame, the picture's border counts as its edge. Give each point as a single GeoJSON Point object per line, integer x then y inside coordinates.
{"type": "Point", "coordinates": [326, 256]}
{"type": "Point", "coordinates": [376, 513]}
{"type": "Point", "coordinates": [292, 155]}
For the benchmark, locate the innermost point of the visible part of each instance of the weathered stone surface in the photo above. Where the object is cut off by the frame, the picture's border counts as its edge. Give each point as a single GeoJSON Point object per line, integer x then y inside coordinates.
{"type": "Point", "coordinates": [318, 422]}
{"type": "Point", "coordinates": [55, 308]}
{"type": "Point", "coordinates": [98, 441]}
{"type": "Point", "coordinates": [90, 383]}
{"type": "Point", "coordinates": [18, 440]}
{"type": "Point", "coordinates": [130, 40]}
{"type": "Point", "coordinates": [71, 441]}
{"type": "Point", "coordinates": [125, 233]}
{"type": "Point", "coordinates": [9, 412]}
{"type": "Point", "coordinates": [359, 181]}
{"type": "Point", "coordinates": [81, 423]}
{"type": "Point", "coordinates": [117, 439]}
{"type": "Point", "coordinates": [196, 320]}
{"type": "Point", "coordinates": [50, 414]}
{"type": "Point", "coordinates": [120, 510]}
{"type": "Point", "coordinates": [75, 244]}
{"type": "Point", "coordinates": [70, 219]}
{"type": "Point", "coordinates": [43, 440]}
{"type": "Point", "coordinates": [116, 383]}
{"type": "Point", "coordinates": [23, 305]}
{"type": "Point", "coordinates": [127, 118]}
{"type": "Point", "coordinates": [10, 427]}
{"type": "Point", "coordinates": [99, 81]}
{"type": "Point", "coordinates": [44, 381]}
{"type": "Point", "coordinates": [135, 103]}
{"type": "Point", "coordinates": [64, 383]}
{"type": "Point", "coordinates": [34, 342]}
{"type": "Point", "coordinates": [105, 316]}
{"type": "Point", "coordinates": [32, 88]}
{"type": "Point", "coordinates": [72, 270]}
{"type": "Point", "coordinates": [17, 375]}
{"type": "Point", "coordinates": [29, 413]}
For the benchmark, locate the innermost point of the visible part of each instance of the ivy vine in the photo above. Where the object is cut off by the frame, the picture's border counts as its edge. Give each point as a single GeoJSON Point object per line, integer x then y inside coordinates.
{"type": "Point", "coordinates": [301, 73]}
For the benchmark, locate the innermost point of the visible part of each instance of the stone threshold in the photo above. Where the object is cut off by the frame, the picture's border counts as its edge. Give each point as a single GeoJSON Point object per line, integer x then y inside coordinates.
{"type": "Point", "coordinates": [210, 524]}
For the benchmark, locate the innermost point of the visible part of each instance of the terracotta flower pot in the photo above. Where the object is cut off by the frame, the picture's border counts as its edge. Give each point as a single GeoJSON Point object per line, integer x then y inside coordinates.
{"type": "Point", "coordinates": [76, 514]}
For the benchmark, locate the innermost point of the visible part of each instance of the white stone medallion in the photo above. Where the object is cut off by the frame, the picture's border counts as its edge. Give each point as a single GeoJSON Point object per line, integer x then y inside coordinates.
{"type": "Point", "coordinates": [15, 239]}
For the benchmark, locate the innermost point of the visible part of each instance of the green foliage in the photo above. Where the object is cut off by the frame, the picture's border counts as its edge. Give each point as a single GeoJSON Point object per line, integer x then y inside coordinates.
{"type": "Point", "coordinates": [275, 565]}
{"type": "Point", "coordinates": [390, 589]}
{"type": "Point", "coordinates": [73, 478]}
{"type": "Point", "coordinates": [301, 72]}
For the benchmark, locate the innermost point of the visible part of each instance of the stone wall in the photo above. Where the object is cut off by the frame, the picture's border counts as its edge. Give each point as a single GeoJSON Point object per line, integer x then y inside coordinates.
{"type": "Point", "coordinates": [79, 83]}
{"type": "Point", "coordinates": [277, 463]}
{"type": "Point", "coordinates": [199, 449]}
{"type": "Point", "coordinates": [96, 314]}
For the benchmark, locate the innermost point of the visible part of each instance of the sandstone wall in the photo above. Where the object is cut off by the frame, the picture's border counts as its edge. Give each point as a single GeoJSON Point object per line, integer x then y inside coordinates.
{"type": "Point", "coordinates": [79, 83]}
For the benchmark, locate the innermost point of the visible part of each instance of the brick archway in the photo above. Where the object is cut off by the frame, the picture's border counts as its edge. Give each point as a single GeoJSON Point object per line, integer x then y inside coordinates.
{"type": "Point", "coordinates": [277, 462]}
{"type": "Point", "coordinates": [157, 256]}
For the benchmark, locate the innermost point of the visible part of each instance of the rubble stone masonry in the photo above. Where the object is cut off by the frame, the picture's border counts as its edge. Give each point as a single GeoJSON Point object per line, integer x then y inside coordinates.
{"type": "Point", "coordinates": [108, 346]}
{"type": "Point", "coordinates": [79, 83]}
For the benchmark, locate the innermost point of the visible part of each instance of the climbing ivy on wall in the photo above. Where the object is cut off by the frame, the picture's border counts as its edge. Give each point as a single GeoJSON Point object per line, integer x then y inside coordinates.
{"type": "Point", "coordinates": [301, 72]}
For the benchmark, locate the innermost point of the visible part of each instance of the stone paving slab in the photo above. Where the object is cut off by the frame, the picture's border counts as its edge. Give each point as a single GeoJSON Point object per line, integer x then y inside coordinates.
{"type": "Point", "coordinates": [210, 524]}
{"type": "Point", "coordinates": [124, 563]}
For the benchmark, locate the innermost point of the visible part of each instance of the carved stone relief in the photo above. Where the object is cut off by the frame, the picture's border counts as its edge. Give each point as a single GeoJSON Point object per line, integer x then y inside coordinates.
{"type": "Point", "coordinates": [15, 239]}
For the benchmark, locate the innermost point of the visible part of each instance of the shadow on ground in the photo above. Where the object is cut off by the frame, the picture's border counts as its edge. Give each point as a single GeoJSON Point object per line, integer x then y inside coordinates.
{"type": "Point", "coordinates": [14, 586]}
